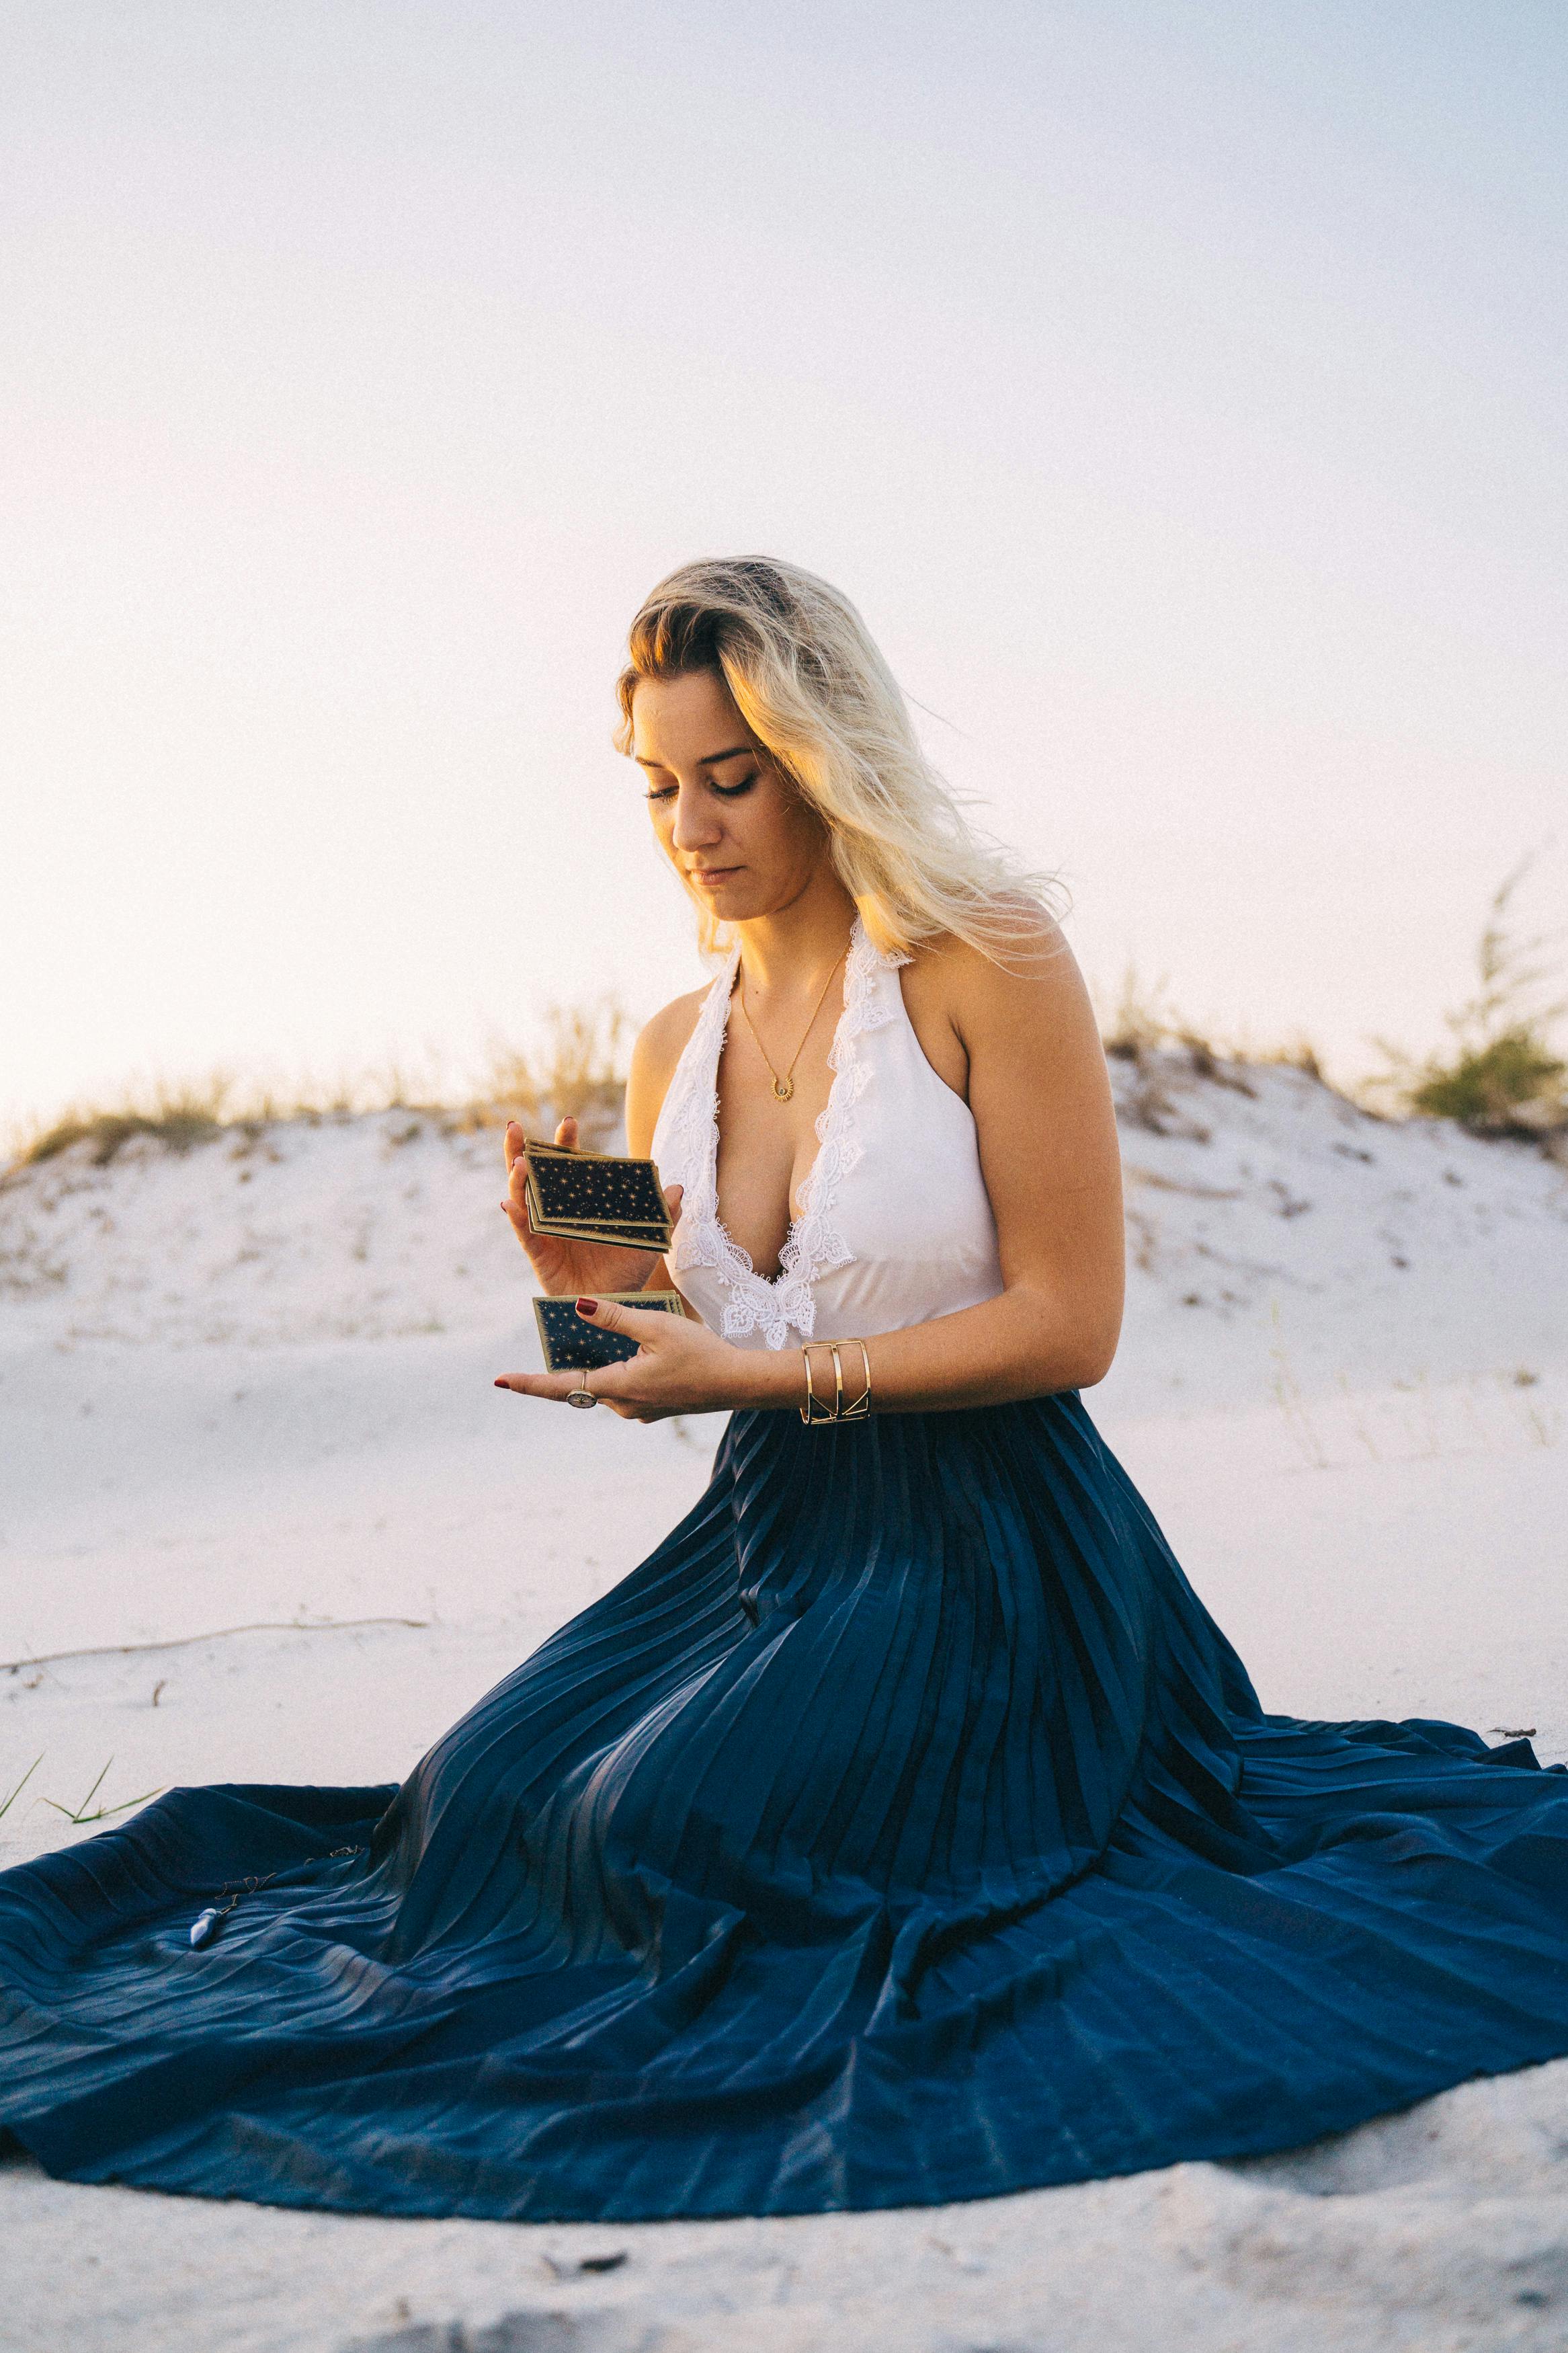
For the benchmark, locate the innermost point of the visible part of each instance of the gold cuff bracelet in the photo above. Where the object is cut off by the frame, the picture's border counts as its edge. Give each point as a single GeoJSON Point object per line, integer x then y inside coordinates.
{"type": "Point", "coordinates": [817, 1410]}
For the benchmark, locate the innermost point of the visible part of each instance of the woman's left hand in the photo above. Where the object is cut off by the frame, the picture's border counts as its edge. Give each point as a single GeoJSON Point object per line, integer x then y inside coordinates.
{"type": "Point", "coordinates": [680, 1368]}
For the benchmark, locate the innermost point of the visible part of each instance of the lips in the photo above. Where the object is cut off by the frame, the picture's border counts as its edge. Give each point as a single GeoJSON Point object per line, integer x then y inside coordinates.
{"type": "Point", "coordinates": [710, 877]}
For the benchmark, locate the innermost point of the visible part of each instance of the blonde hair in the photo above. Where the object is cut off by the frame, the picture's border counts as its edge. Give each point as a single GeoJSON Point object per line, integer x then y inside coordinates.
{"type": "Point", "coordinates": [810, 683]}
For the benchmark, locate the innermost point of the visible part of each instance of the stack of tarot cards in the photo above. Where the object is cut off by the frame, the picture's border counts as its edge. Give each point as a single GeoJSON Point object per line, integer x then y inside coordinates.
{"type": "Point", "coordinates": [593, 1197]}
{"type": "Point", "coordinates": [571, 1345]}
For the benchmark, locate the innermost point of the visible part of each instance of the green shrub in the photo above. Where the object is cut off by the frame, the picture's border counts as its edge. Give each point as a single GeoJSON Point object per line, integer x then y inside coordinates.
{"type": "Point", "coordinates": [1486, 1086]}
{"type": "Point", "coordinates": [1504, 1072]}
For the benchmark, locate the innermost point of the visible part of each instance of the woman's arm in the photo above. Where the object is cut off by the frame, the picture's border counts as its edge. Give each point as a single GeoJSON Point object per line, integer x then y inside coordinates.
{"type": "Point", "coordinates": [1037, 1086]}
{"type": "Point", "coordinates": [1026, 1044]}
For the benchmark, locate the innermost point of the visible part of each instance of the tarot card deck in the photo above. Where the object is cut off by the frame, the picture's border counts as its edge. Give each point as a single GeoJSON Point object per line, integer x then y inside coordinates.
{"type": "Point", "coordinates": [571, 1345]}
{"type": "Point", "coordinates": [596, 1197]}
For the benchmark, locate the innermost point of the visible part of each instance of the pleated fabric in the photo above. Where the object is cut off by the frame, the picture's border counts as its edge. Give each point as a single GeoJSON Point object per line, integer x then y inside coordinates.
{"type": "Point", "coordinates": [902, 1831]}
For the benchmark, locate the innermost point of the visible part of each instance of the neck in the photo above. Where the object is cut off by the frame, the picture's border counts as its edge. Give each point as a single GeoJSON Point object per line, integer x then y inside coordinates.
{"type": "Point", "coordinates": [798, 943]}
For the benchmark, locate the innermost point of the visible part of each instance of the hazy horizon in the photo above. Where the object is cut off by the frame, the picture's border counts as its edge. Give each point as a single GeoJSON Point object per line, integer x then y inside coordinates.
{"type": "Point", "coordinates": [1177, 393]}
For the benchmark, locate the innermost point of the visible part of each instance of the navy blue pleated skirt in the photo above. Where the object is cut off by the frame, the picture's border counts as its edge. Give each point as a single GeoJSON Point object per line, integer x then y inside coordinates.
{"type": "Point", "coordinates": [903, 1830]}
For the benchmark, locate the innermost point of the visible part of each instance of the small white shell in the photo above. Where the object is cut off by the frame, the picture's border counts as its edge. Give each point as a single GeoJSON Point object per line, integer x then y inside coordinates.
{"type": "Point", "coordinates": [203, 1927]}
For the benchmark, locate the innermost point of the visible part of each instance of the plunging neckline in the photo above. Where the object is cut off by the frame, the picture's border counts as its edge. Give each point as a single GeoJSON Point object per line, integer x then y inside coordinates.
{"type": "Point", "coordinates": [819, 1124]}
{"type": "Point", "coordinates": [774, 1305]}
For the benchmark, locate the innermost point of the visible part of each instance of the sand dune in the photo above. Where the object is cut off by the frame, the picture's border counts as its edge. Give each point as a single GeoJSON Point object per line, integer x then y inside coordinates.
{"type": "Point", "coordinates": [250, 1385]}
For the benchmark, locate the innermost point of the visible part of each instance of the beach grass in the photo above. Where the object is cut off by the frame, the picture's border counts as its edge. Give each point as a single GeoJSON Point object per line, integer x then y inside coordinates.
{"type": "Point", "coordinates": [1501, 1074]}
{"type": "Point", "coordinates": [575, 1068]}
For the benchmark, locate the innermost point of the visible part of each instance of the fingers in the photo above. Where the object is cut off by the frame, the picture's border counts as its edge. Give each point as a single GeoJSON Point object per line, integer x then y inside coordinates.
{"type": "Point", "coordinates": [556, 1388]}
{"type": "Point", "coordinates": [640, 1323]}
{"type": "Point", "coordinates": [673, 1196]}
{"type": "Point", "coordinates": [516, 1201]}
{"type": "Point", "coordinates": [515, 1138]}
{"type": "Point", "coordinates": [516, 1207]}
{"type": "Point", "coordinates": [648, 1327]}
{"type": "Point", "coordinates": [516, 1161]}
{"type": "Point", "coordinates": [541, 1384]}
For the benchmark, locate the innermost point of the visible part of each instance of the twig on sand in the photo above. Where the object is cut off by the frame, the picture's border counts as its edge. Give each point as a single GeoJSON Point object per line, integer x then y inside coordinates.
{"type": "Point", "coordinates": [184, 1641]}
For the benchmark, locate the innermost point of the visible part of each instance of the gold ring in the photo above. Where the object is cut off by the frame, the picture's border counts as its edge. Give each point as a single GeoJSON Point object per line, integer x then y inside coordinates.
{"type": "Point", "coordinates": [581, 1398]}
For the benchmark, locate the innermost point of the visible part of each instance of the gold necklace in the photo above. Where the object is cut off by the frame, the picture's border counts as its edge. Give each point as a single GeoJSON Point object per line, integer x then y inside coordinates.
{"type": "Point", "coordinates": [784, 1087]}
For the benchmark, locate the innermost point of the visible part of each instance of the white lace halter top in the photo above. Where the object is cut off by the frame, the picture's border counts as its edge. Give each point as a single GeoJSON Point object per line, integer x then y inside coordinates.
{"type": "Point", "coordinates": [895, 1226]}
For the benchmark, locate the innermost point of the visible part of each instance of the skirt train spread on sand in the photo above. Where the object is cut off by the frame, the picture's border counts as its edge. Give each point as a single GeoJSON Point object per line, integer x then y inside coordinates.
{"type": "Point", "coordinates": [902, 1830]}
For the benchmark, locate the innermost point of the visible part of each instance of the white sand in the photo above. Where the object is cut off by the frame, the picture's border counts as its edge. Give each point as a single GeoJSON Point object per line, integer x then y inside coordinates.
{"type": "Point", "coordinates": [253, 1384]}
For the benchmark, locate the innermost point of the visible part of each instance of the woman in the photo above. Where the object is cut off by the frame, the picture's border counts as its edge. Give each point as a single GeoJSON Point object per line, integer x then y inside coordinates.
{"type": "Point", "coordinates": [902, 1830]}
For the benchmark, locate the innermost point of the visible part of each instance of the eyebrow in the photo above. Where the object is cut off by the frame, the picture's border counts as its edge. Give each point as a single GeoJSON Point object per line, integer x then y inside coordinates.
{"type": "Point", "coordinates": [708, 759]}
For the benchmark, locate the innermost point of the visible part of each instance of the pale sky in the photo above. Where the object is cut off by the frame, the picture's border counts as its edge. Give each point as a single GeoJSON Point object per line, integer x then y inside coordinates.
{"type": "Point", "coordinates": [1179, 390]}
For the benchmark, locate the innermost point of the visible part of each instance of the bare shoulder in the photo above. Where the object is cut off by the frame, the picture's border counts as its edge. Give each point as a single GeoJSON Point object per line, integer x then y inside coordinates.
{"type": "Point", "coordinates": [659, 1046]}
{"type": "Point", "coordinates": [662, 1041]}
{"type": "Point", "coordinates": [1035, 1077]}
{"type": "Point", "coordinates": [1032, 991]}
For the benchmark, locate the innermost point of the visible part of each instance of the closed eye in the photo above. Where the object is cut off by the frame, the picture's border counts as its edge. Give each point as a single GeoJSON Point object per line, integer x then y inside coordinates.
{"type": "Point", "coordinates": [721, 792]}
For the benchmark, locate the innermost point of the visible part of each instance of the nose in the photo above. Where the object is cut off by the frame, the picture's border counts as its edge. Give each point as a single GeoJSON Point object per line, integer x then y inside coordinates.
{"type": "Point", "coordinates": [696, 825]}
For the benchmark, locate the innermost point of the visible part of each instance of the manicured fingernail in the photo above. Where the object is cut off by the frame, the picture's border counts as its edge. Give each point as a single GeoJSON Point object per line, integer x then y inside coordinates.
{"type": "Point", "coordinates": [500, 1384]}
{"type": "Point", "coordinates": [587, 1307]}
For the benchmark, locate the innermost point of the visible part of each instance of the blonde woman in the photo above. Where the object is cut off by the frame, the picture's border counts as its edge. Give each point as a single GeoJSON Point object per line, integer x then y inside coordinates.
{"type": "Point", "coordinates": [913, 1144]}
{"type": "Point", "coordinates": [902, 1830]}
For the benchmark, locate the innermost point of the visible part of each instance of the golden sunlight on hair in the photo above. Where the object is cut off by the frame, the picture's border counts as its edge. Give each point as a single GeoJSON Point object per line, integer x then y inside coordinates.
{"type": "Point", "coordinates": [810, 683]}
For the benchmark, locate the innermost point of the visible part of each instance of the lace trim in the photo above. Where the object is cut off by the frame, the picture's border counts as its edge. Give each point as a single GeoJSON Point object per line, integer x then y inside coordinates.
{"type": "Point", "coordinates": [778, 1304]}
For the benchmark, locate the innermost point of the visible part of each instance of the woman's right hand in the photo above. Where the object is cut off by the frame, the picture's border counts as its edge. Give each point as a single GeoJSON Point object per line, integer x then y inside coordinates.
{"type": "Point", "coordinates": [566, 1269]}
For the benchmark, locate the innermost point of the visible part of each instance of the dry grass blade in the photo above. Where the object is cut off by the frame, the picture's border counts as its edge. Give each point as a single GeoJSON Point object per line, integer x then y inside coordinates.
{"type": "Point", "coordinates": [88, 1812]}
{"type": "Point", "coordinates": [1139, 1019]}
{"type": "Point", "coordinates": [1295, 1054]}
{"type": "Point", "coordinates": [577, 1072]}
{"type": "Point", "coordinates": [7, 1802]}
{"type": "Point", "coordinates": [577, 1069]}
{"type": "Point", "coordinates": [179, 1116]}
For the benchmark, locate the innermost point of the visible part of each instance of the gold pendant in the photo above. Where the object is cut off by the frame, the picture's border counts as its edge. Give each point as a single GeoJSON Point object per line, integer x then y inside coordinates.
{"type": "Point", "coordinates": [784, 1089]}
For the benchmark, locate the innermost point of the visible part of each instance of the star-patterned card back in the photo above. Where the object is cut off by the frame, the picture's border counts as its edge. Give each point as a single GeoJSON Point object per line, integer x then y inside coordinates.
{"type": "Point", "coordinates": [571, 1345]}
{"type": "Point", "coordinates": [592, 1188]}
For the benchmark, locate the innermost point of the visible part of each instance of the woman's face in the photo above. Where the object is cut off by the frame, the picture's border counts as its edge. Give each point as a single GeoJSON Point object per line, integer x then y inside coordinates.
{"type": "Point", "coordinates": [727, 820]}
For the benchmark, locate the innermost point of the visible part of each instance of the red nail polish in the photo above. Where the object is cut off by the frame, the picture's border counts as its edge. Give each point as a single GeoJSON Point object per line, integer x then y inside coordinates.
{"type": "Point", "coordinates": [587, 1307]}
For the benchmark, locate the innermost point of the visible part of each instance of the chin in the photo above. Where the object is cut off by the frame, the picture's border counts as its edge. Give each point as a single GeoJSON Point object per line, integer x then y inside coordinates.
{"type": "Point", "coordinates": [738, 905]}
